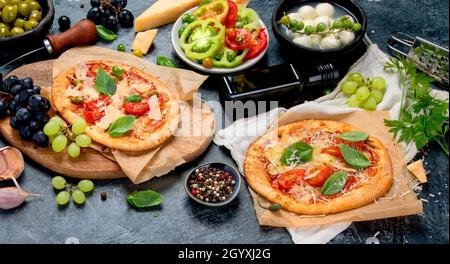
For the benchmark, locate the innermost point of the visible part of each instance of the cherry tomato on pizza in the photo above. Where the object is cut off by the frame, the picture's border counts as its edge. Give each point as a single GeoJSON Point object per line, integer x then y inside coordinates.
{"type": "Point", "coordinates": [323, 173]}
{"type": "Point", "coordinates": [288, 179]}
{"type": "Point", "coordinates": [136, 108]}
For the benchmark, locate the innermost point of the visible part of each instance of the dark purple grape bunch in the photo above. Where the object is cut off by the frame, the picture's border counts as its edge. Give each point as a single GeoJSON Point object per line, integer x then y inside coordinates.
{"type": "Point", "coordinates": [21, 100]}
{"type": "Point", "coordinates": [110, 14]}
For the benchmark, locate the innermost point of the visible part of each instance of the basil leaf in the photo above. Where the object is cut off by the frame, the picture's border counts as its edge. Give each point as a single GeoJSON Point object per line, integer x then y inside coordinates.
{"type": "Point", "coordinates": [297, 152]}
{"type": "Point", "coordinates": [354, 136]}
{"type": "Point", "coordinates": [105, 34]}
{"type": "Point", "coordinates": [334, 183]}
{"type": "Point", "coordinates": [353, 157]}
{"type": "Point", "coordinates": [105, 84]}
{"type": "Point", "coordinates": [167, 62]}
{"type": "Point", "coordinates": [145, 198]}
{"type": "Point", "coordinates": [117, 71]}
{"type": "Point", "coordinates": [134, 98]}
{"type": "Point", "coordinates": [121, 126]}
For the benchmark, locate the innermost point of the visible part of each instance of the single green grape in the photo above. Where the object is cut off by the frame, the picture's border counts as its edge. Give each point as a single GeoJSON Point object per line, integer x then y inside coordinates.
{"type": "Point", "coordinates": [86, 186]}
{"type": "Point", "coordinates": [294, 24]}
{"type": "Point", "coordinates": [353, 101]}
{"type": "Point", "coordinates": [59, 143]}
{"type": "Point", "coordinates": [356, 27]}
{"type": "Point", "coordinates": [63, 198]}
{"type": "Point", "coordinates": [362, 93]}
{"type": "Point", "coordinates": [284, 20]}
{"type": "Point", "coordinates": [57, 119]}
{"type": "Point", "coordinates": [79, 126]}
{"type": "Point", "coordinates": [370, 104]}
{"type": "Point", "coordinates": [51, 128]}
{"type": "Point", "coordinates": [74, 150]}
{"type": "Point", "coordinates": [378, 83]}
{"type": "Point", "coordinates": [377, 95]}
{"type": "Point", "coordinates": [78, 197]}
{"type": "Point", "coordinates": [337, 24]}
{"type": "Point", "coordinates": [309, 30]}
{"type": "Point", "coordinates": [59, 183]}
{"type": "Point", "coordinates": [83, 140]}
{"type": "Point", "coordinates": [349, 87]}
{"type": "Point", "coordinates": [321, 27]}
{"type": "Point", "coordinates": [356, 77]}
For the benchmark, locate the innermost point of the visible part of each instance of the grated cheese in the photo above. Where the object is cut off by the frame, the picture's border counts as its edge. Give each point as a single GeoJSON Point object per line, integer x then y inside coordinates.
{"type": "Point", "coordinates": [155, 110]}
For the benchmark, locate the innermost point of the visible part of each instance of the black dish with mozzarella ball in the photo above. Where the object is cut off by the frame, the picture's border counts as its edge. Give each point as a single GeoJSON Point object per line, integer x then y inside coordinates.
{"type": "Point", "coordinates": [294, 49]}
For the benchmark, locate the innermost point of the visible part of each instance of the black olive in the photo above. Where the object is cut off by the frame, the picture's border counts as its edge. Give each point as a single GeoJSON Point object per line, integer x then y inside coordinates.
{"type": "Point", "coordinates": [64, 23]}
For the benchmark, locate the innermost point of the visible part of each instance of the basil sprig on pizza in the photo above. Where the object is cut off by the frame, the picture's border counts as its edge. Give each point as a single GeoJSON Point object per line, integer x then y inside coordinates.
{"type": "Point", "coordinates": [126, 108]}
{"type": "Point", "coordinates": [318, 167]}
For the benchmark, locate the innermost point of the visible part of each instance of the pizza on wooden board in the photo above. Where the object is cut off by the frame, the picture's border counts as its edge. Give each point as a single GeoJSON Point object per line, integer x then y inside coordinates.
{"type": "Point", "coordinates": [125, 108]}
{"type": "Point", "coordinates": [318, 167]}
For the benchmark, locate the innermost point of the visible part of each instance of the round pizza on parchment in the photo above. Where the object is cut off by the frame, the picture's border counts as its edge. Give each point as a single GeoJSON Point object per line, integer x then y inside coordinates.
{"type": "Point", "coordinates": [125, 108]}
{"type": "Point", "coordinates": [318, 167]}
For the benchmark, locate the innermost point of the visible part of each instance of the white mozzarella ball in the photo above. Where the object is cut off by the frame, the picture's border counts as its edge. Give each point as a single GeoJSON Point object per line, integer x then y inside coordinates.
{"type": "Point", "coordinates": [346, 37]}
{"type": "Point", "coordinates": [321, 19]}
{"type": "Point", "coordinates": [325, 9]}
{"type": "Point", "coordinates": [304, 41]}
{"type": "Point", "coordinates": [307, 12]}
{"type": "Point", "coordinates": [315, 40]}
{"type": "Point", "coordinates": [295, 16]}
{"type": "Point", "coordinates": [308, 22]}
{"type": "Point", "coordinates": [330, 42]}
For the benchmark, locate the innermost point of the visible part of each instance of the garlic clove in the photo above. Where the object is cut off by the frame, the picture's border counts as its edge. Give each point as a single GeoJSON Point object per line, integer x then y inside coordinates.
{"type": "Point", "coordinates": [11, 163]}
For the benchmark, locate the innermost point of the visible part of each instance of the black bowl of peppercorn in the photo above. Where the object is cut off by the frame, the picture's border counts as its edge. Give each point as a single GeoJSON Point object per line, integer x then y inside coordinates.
{"type": "Point", "coordinates": [213, 184]}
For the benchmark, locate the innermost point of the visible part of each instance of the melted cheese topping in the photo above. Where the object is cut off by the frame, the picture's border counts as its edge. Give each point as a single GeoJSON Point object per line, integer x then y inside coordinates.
{"type": "Point", "coordinates": [155, 110]}
{"type": "Point", "coordinates": [81, 70]}
{"type": "Point", "coordinates": [111, 115]}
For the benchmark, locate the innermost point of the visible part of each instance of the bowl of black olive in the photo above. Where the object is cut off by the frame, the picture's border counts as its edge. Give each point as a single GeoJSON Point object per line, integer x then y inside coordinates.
{"type": "Point", "coordinates": [24, 21]}
{"type": "Point", "coordinates": [213, 184]}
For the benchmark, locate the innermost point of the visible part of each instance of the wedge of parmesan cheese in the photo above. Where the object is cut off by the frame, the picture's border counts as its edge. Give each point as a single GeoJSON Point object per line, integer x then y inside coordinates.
{"type": "Point", "coordinates": [141, 87]}
{"type": "Point", "coordinates": [89, 92]}
{"type": "Point", "coordinates": [163, 12]}
{"type": "Point", "coordinates": [144, 40]}
{"type": "Point", "coordinates": [155, 110]}
{"type": "Point", "coordinates": [417, 169]}
{"type": "Point", "coordinates": [111, 115]}
{"type": "Point", "coordinates": [121, 92]}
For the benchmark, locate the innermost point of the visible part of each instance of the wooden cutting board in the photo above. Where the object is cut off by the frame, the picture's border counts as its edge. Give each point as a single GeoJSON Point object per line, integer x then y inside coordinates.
{"type": "Point", "coordinates": [91, 164]}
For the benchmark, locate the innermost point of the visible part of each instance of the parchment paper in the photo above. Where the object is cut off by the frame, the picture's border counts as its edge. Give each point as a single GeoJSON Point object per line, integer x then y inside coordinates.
{"type": "Point", "coordinates": [140, 166]}
{"type": "Point", "coordinates": [399, 201]}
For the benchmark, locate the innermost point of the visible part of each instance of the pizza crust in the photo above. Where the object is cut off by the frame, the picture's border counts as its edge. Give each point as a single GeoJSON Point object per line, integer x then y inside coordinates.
{"type": "Point", "coordinates": [258, 179]}
{"type": "Point", "coordinates": [97, 134]}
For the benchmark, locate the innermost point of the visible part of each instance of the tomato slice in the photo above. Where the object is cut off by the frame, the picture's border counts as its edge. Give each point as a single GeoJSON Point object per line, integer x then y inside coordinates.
{"type": "Point", "coordinates": [257, 45]}
{"type": "Point", "coordinates": [321, 177]}
{"type": "Point", "coordinates": [231, 19]}
{"type": "Point", "coordinates": [334, 151]}
{"type": "Point", "coordinates": [349, 182]}
{"type": "Point", "coordinates": [288, 179]}
{"type": "Point", "coordinates": [237, 38]}
{"type": "Point", "coordinates": [93, 116]}
{"type": "Point", "coordinates": [138, 108]}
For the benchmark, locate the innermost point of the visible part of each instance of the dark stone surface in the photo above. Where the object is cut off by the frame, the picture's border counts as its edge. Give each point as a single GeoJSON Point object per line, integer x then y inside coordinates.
{"type": "Point", "coordinates": [182, 221]}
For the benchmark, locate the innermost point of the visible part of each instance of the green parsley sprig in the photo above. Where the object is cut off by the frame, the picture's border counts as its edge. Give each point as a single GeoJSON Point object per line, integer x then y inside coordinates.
{"type": "Point", "coordinates": [422, 118]}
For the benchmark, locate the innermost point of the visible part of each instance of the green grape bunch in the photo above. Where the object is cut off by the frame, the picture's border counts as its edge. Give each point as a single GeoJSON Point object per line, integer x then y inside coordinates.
{"type": "Point", "coordinates": [365, 93]}
{"type": "Point", "coordinates": [343, 23]}
{"type": "Point", "coordinates": [61, 136]}
{"type": "Point", "coordinates": [66, 191]}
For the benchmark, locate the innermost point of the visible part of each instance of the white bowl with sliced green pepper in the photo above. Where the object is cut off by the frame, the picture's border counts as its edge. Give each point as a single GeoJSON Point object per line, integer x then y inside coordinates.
{"type": "Point", "coordinates": [220, 44]}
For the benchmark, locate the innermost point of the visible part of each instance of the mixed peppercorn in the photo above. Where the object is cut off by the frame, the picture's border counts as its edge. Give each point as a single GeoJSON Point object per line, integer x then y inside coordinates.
{"type": "Point", "coordinates": [211, 184]}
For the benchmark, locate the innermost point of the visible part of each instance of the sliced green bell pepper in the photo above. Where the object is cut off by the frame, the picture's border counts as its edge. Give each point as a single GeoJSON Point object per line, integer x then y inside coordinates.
{"type": "Point", "coordinates": [248, 19]}
{"type": "Point", "coordinates": [202, 38]}
{"type": "Point", "coordinates": [228, 58]}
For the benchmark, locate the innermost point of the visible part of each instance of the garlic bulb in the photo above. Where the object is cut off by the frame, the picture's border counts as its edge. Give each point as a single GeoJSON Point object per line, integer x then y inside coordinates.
{"type": "Point", "coordinates": [12, 197]}
{"type": "Point", "coordinates": [330, 42]}
{"type": "Point", "coordinates": [325, 9]}
{"type": "Point", "coordinates": [11, 163]}
{"type": "Point", "coordinates": [307, 12]}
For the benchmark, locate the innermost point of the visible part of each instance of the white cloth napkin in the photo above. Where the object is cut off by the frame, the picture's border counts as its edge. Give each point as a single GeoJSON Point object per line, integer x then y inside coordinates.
{"type": "Point", "coordinates": [236, 137]}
